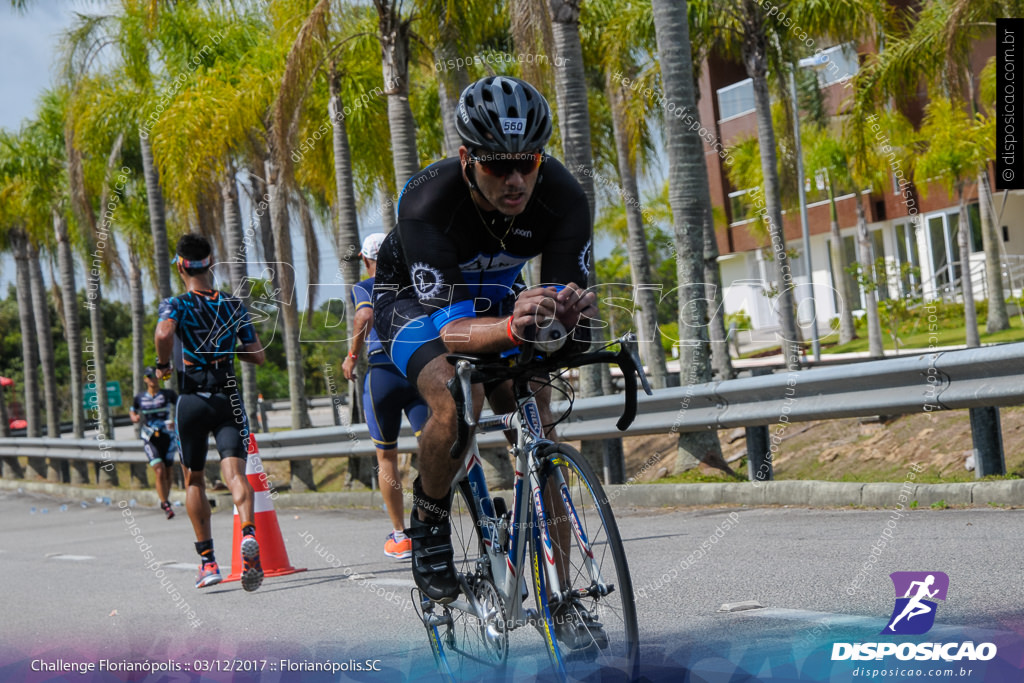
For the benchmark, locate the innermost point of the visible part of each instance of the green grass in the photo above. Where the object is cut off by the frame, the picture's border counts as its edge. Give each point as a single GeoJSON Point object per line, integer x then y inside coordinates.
{"type": "Point", "coordinates": [920, 340]}
{"type": "Point", "coordinates": [942, 337]}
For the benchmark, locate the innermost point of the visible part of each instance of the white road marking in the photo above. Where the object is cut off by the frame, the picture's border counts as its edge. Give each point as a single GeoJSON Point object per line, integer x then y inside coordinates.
{"type": "Point", "coordinates": [73, 558]}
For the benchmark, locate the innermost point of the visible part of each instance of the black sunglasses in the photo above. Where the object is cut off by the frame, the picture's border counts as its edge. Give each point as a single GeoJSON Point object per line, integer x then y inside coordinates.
{"type": "Point", "coordinates": [501, 164]}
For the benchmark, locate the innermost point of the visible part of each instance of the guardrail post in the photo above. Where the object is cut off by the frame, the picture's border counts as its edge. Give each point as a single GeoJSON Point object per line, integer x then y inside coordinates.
{"type": "Point", "coordinates": [263, 414]}
{"type": "Point", "coordinates": [759, 459]}
{"type": "Point", "coordinates": [987, 439]}
{"type": "Point", "coordinates": [614, 462]}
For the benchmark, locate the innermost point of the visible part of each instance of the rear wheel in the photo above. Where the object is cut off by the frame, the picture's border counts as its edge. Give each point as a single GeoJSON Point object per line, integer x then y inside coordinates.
{"type": "Point", "coordinates": [465, 646]}
{"type": "Point", "coordinates": [588, 621]}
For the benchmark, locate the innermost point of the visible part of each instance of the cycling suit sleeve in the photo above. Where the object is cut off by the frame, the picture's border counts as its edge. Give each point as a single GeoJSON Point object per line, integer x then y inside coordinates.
{"type": "Point", "coordinates": [135, 404]}
{"type": "Point", "coordinates": [434, 271]}
{"type": "Point", "coordinates": [246, 332]}
{"type": "Point", "coordinates": [170, 309]}
{"type": "Point", "coordinates": [361, 297]}
{"type": "Point", "coordinates": [567, 256]}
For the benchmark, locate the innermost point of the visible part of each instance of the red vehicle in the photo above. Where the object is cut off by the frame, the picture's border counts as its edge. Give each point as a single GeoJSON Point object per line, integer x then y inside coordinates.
{"type": "Point", "coordinates": [15, 416]}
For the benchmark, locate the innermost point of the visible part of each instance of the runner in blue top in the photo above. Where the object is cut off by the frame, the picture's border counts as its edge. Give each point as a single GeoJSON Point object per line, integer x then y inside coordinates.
{"type": "Point", "coordinates": [201, 328]}
{"type": "Point", "coordinates": [446, 281]}
{"type": "Point", "coordinates": [153, 408]}
{"type": "Point", "coordinates": [386, 393]}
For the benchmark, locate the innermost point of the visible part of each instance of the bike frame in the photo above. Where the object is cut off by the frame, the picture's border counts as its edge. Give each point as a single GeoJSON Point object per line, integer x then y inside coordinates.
{"type": "Point", "coordinates": [527, 512]}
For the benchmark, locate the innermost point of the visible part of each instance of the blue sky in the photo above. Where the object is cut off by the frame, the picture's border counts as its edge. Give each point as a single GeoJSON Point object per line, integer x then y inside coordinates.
{"type": "Point", "coordinates": [29, 43]}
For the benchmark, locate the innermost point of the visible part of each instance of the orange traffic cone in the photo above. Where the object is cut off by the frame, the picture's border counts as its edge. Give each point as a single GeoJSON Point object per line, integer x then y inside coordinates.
{"type": "Point", "coordinates": [273, 555]}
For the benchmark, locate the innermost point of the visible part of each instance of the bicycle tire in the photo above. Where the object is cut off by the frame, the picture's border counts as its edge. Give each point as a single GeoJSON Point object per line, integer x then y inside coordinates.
{"type": "Point", "coordinates": [616, 611]}
{"type": "Point", "coordinates": [462, 648]}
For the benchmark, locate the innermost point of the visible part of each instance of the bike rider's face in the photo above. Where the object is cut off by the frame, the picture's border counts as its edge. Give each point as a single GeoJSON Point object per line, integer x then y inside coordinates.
{"type": "Point", "coordinates": [508, 193]}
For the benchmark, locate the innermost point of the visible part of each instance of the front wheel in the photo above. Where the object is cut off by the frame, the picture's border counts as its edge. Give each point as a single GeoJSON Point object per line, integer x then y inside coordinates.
{"type": "Point", "coordinates": [467, 646]}
{"type": "Point", "coordinates": [587, 614]}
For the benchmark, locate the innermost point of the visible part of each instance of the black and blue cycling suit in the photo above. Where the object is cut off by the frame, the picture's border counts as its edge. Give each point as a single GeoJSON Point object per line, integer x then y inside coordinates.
{"type": "Point", "coordinates": [154, 411]}
{"type": "Point", "coordinates": [208, 326]}
{"type": "Point", "coordinates": [386, 393]}
{"type": "Point", "coordinates": [444, 260]}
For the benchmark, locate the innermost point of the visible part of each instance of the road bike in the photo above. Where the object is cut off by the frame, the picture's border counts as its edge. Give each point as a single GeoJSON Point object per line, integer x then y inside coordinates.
{"type": "Point", "coordinates": [557, 542]}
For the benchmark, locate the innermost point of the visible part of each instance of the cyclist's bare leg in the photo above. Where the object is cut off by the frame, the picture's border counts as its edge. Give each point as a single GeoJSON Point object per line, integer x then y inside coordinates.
{"type": "Point", "coordinates": [437, 467]}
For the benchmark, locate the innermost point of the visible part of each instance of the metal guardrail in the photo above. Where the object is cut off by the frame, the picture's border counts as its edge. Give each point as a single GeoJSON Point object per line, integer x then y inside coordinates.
{"type": "Point", "coordinates": [948, 380]}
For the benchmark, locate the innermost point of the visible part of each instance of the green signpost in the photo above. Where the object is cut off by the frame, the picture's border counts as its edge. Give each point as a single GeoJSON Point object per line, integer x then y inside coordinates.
{"type": "Point", "coordinates": [113, 395]}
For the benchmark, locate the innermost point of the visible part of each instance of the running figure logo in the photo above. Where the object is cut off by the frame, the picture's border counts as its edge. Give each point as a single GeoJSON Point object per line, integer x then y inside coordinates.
{"type": "Point", "coordinates": [914, 612]}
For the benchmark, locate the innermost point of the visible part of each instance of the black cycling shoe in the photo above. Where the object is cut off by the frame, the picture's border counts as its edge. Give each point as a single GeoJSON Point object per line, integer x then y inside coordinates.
{"type": "Point", "coordinates": [433, 565]}
{"type": "Point", "coordinates": [576, 628]}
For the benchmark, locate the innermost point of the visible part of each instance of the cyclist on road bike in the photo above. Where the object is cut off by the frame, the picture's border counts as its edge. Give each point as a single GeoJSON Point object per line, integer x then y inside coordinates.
{"type": "Point", "coordinates": [153, 408]}
{"type": "Point", "coordinates": [446, 277]}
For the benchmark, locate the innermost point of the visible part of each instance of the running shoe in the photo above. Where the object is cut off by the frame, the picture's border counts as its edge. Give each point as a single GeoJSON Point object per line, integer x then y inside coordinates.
{"type": "Point", "coordinates": [166, 507]}
{"type": "Point", "coordinates": [400, 550]}
{"type": "Point", "coordinates": [209, 574]}
{"type": "Point", "coordinates": [252, 572]}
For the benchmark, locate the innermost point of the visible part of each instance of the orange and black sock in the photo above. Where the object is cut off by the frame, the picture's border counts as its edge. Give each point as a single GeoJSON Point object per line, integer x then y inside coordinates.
{"type": "Point", "coordinates": [248, 530]}
{"type": "Point", "coordinates": [205, 550]}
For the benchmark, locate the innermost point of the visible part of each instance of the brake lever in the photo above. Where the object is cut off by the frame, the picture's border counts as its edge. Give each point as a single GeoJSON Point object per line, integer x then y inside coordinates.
{"type": "Point", "coordinates": [629, 345]}
{"type": "Point", "coordinates": [464, 372]}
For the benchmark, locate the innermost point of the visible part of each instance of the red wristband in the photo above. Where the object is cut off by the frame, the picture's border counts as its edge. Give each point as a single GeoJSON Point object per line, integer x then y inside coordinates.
{"type": "Point", "coordinates": [352, 355]}
{"type": "Point", "coordinates": [508, 331]}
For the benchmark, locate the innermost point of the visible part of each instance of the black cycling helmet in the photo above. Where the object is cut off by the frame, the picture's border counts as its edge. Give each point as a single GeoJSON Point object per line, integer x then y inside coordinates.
{"type": "Point", "coordinates": [503, 114]}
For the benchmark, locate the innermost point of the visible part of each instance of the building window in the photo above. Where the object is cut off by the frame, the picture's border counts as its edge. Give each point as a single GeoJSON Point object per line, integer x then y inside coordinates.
{"type": "Point", "coordinates": [736, 99]}
{"type": "Point", "coordinates": [842, 64]}
{"type": "Point", "coordinates": [739, 205]}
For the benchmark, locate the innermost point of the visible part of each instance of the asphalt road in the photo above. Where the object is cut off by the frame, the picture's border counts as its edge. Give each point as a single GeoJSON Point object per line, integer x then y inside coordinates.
{"type": "Point", "coordinates": [76, 587]}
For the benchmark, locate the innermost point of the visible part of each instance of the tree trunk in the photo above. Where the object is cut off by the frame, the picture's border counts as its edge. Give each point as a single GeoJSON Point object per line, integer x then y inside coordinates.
{"type": "Point", "coordinates": [847, 330]}
{"type": "Point", "coordinates": [574, 126]}
{"type": "Point", "coordinates": [44, 337]}
{"type": "Point", "coordinates": [721, 363]}
{"type": "Point", "coordinates": [157, 218]}
{"type": "Point", "coordinates": [301, 470]}
{"type": "Point", "coordinates": [689, 213]}
{"type": "Point", "coordinates": [96, 369]}
{"type": "Point", "coordinates": [73, 336]}
{"type": "Point", "coordinates": [29, 345]}
{"type": "Point", "coordinates": [997, 318]}
{"type": "Point", "coordinates": [348, 224]}
{"type": "Point", "coordinates": [646, 301]}
{"type": "Point", "coordinates": [236, 243]}
{"type": "Point", "coordinates": [875, 348]}
{"type": "Point", "coordinates": [966, 284]}
{"type": "Point", "coordinates": [394, 40]}
{"type": "Point", "coordinates": [139, 470]}
{"type": "Point", "coordinates": [755, 60]}
{"type": "Point", "coordinates": [450, 84]}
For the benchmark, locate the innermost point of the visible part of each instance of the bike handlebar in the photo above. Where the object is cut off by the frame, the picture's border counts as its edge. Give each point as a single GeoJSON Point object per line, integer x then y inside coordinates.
{"type": "Point", "coordinates": [470, 370]}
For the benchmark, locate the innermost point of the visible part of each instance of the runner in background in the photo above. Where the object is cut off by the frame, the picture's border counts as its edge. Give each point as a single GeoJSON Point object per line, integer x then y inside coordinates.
{"type": "Point", "coordinates": [386, 393]}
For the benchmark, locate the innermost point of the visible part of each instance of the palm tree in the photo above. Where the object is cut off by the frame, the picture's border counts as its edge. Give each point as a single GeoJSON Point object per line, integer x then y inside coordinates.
{"type": "Point", "coordinates": [956, 149]}
{"type": "Point", "coordinates": [824, 154]}
{"type": "Point", "coordinates": [937, 50]}
{"type": "Point", "coordinates": [690, 211]}
{"type": "Point", "coordinates": [612, 34]}
{"type": "Point", "coordinates": [29, 346]}
{"type": "Point", "coordinates": [394, 32]}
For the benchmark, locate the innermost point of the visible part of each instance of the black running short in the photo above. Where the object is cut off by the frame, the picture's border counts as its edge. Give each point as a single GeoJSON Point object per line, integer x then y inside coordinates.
{"type": "Point", "coordinates": [199, 415]}
{"type": "Point", "coordinates": [158, 449]}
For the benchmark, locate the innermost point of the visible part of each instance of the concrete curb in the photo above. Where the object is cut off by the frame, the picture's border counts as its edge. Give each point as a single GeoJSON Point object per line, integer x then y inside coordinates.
{"type": "Point", "coordinates": [799, 493]}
